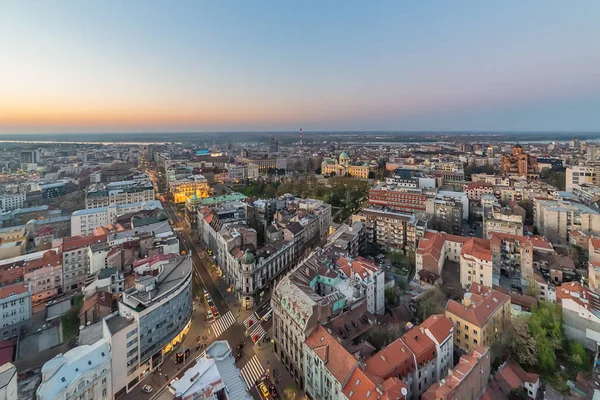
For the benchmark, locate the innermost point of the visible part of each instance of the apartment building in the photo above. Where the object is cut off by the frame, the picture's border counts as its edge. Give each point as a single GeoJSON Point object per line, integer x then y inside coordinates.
{"type": "Point", "coordinates": [83, 372]}
{"type": "Point", "coordinates": [580, 313]}
{"type": "Point", "coordinates": [154, 316]}
{"type": "Point", "coordinates": [313, 293]}
{"type": "Point", "coordinates": [476, 190]}
{"type": "Point", "coordinates": [45, 275]}
{"type": "Point", "coordinates": [579, 175]}
{"type": "Point", "coordinates": [437, 247]}
{"type": "Point", "coordinates": [398, 198]}
{"type": "Point", "coordinates": [364, 272]}
{"type": "Point", "coordinates": [8, 381]}
{"type": "Point", "coordinates": [76, 260]}
{"type": "Point", "coordinates": [389, 229]}
{"type": "Point", "coordinates": [502, 220]}
{"type": "Point", "coordinates": [480, 318]}
{"type": "Point", "coordinates": [555, 218]}
{"type": "Point", "coordinates": [448, 215]}
{"type": "Point", "coordinates": [476, 263]}
{"type": "Point", "coordinates": [468, 380]}
{"type": "Point", "coordinates": [11, 201]}
{"type": "Point", "coordinates": [15, 306]}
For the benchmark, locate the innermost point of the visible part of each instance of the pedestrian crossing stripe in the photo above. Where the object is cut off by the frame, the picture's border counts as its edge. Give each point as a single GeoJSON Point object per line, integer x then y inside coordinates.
{"type": "Point", "coordinates": [258, 331]}
{"type": "Point", "coordinates": [252, 371]}
{"type": "Point", "coordinates": [201, 356]}
{"type": "Point", "coordinates": [253, 318]}
{"type": "Point", "coordinates": [223, 323]}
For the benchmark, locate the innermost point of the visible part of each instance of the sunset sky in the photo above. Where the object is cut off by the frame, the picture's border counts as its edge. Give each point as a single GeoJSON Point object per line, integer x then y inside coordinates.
{"type": "Point", "coordinates": [244, 65]}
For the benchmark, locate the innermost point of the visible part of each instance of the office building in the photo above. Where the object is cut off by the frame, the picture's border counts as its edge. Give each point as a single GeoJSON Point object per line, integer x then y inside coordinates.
{"type": "Point", "coordinates": [398, 198]}
{"type": "Point", "coordinates": [579, 175]}
{"type": "Point", "coordinates": [122, 192]}
{"type": "Point", "coordinates": [11, 201]}
{"type": "Point", "coordinates": [84, 222]}
{"type": "Point", "coordinates": [154, 316]}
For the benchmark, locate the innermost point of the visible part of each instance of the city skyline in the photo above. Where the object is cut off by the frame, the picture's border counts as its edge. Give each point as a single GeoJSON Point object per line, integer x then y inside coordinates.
{"type": "Point", "coordinates": [277, 66]}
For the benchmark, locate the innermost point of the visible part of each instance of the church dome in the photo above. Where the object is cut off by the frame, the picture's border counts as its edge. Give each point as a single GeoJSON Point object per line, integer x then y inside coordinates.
{"type": "Point", "coordinates": [344, 155]}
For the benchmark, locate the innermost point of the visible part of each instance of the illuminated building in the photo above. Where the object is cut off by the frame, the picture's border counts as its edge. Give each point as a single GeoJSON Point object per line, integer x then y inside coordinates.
{"type": "Point", "coordinates": [183, 189]}
{"type": "Point", "coordinates": [343, 167]}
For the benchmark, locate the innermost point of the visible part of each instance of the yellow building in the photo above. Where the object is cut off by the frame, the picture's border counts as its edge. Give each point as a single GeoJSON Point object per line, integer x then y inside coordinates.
{"type": "Point", "coordinates": [183, 189]}
{"type": "Point", "coordinates": [342, 167]}
{"type": "Point", "coordinates": [13, 243]}
{"type": "Point", "coordinates": [480, 318]}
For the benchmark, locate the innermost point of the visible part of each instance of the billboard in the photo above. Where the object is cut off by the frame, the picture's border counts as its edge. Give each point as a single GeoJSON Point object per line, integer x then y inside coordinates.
{"type": "Point", "coordinates": [202, 152]}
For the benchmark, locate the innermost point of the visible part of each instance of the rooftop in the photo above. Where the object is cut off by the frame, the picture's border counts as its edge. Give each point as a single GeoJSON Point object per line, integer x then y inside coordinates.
{"type": "Point", "coordinates": [479, 304]}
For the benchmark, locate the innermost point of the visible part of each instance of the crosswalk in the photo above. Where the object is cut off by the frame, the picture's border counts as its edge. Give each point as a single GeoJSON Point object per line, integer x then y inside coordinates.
{"type": "Point", "coordinates": [201, 355]}
{"type": "Point", "coordinates": [252, 371]}
{"type": "Point", "coordinates": [223, 323]}
{"type": "Point", "coordinates": [253, 318]}
{"type": "Point", "coordinates": [257, 331]}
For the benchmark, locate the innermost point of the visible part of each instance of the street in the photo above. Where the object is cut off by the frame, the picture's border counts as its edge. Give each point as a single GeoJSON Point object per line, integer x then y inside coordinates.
{"type": "Point", "coordinates": [256, 361]}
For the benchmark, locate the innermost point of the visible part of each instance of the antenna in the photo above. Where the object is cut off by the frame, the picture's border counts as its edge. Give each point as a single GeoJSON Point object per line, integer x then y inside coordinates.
{"type": "Point", "coordinates": [300, 136]}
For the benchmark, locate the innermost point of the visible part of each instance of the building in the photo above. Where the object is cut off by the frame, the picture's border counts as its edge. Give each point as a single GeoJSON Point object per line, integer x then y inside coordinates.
{"type": "Point", "coordinates": [580, 313]}
{"type": "Point", "coordinates": [313, 293]}
{"type": "Point", "coordinates": [391, 230]}
{"type": "Point", "coordinates": [372, 277]}
{"type": "Point", "coordinates": [84, 222]}
{"type": "Point", "coordinates": [153, 317]}
{"type": "Point", "coordinates": [437, 247]}
{"type": "Point", "coordinates": [11, 201]}
{"type": "Point", "coordinates": [213, 376]}
{"type": "Point", "coordinates": [273, 145]}
{"type": "Point", "coordinates": [448, 215]}
{"type": "Point", "coordinates": [468, 380]}
{"type": "Point", "coordinates": [502, 220]}
{"type": "Point", "coordinates": [183, 189]}
{"type": "Point", "coordinates": [398, 198]}
{"type": "Point", "coordinates": [122, 192]}
{"type": "Point", "coordinates": [480, 318]}
{"type": "Point", "coordinates": [83, 372]}
{"type": "Point", "coordinates": [555, 218]}
{"type": "Point", "coordinates": [476, 263]}
{"type": "Point", "coordinates": [519, 163]}
{"type": "Point", "coordinates": [8, 381]}
{"type": "Point", "coordinates": [263, 164]}
{"type": "Point", "coordinates": [45, 275]}
{"type": "Point", "coordinates": [510, 376]}
{"type": "Point", "coordinates": [476, 190]}
{"type": "Point", "coordinates": [578, 175]}
{"type": "Point", "coordinates": [76, 260]}
{"type": "Point", "coordinates": [52, 190]}
{"type": "Point", "coordinates": [15, 306]}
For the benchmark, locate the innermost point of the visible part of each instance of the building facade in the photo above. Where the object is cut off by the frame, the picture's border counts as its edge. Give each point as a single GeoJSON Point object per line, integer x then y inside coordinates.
{"type": "Point", "coordinates": [15, 308]}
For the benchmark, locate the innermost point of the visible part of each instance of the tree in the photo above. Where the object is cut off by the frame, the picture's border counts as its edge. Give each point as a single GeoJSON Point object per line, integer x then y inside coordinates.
{"type": "Point", "coordinates": [578, 356]}
{"type": "Point", "coordinates": [431, 302]}
{"type": "Point", "coordinates": [531, 288]}
{"type": "Point", "coordinates": [518, 394]}
{"type": "Point", "coordinates": [522, 345]}
{"type": "Point", "coordinates": [395, 257]}
{"type": "Point", "coordinates": [545, 325]}
{"type": "Point", "coordinates": [391, 296]}
{"type": "Point", "coordinates": [289, 393]}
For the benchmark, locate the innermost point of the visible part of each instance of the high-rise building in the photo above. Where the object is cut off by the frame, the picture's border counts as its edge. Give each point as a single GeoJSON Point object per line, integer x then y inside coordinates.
{"type": "Point", "coordinates": [579, 175]}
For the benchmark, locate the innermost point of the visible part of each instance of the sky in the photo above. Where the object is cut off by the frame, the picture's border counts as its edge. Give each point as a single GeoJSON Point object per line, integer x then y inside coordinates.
{"type": "Point", "coordinates": [260, 65]}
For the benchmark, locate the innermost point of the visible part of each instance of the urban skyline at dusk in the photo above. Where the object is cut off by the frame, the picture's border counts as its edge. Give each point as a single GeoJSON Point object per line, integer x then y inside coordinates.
{"type": "Point", "coordinates": [266, 65]}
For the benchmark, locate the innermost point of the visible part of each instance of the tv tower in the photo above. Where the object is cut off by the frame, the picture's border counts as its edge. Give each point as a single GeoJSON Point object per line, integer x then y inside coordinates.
{"type": "Point", "coordinates": [300, 136]}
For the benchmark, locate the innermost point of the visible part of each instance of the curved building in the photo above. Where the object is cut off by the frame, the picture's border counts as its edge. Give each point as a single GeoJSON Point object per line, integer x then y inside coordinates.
{"type": "Point", "coordinates": [153, 317]}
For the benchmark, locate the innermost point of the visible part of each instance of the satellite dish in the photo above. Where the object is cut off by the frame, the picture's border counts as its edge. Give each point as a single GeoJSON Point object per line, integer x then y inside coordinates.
{"type": "Point", "coordinates": [404, 391]}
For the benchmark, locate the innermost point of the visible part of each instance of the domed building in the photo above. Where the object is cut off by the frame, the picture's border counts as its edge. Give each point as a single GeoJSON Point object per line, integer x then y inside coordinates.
{"type": "Point", "coordinates": [344, 167]}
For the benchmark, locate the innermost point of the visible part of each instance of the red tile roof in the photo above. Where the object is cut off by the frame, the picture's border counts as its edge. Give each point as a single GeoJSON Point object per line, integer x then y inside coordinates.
{"type": "Point", "coordinates": [484, 302]}
{"type": "Point", "coordinates": [478, 248]}
{"type": "Point", "coordinates": [439, 326]}
{"type": "Point", "coordinates": [395, 359]}
{"type": "Point", "coordinates": [76, 242]}
{"type": "Point", "coordinates": [420, 344]}
{"type": "Point", "coordinates": [336, 358]}
{"type": "Point", "coordinates": [360, 265]}
{"type": "Point", "coordinates": [12, 290]}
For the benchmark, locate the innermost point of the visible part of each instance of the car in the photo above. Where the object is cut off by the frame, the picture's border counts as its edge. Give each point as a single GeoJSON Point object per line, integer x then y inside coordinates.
{"type": "Point", "coordinates": [264, 390]}
{"type": "Point", "coordinates": [215, 311]}
{"type": "Point", "coordinates": [273, 391]}
{"type": "Point", "coordinates": [147, 389]}
{"type": "Point", "coordinates": [174, 380]}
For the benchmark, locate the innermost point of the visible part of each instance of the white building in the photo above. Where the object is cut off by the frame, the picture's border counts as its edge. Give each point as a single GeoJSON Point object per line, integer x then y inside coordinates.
{"type": "Point", "coordinates": [123, 192]}
{"type": "Point", "coordinates": [11, 201]}
{"type": "Point", "coordinates": [362, 271]}
{"type": "Point", "coordinates": [8, 382]}
{"type": "Point", "coordinates": [82, 373]}
{"type": "Point", "coordinates": [476, 263]}
{"type": "Point", "coordinates": [555, 218]}
{"type": "Point", "coordinates": [83, 222]}
{"type": "Point", "coordinates": [213, 376]}
{"type": "Point", "coordinates": [578, 175]}
{"type": "Point", "coordinates": [15, 308]}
